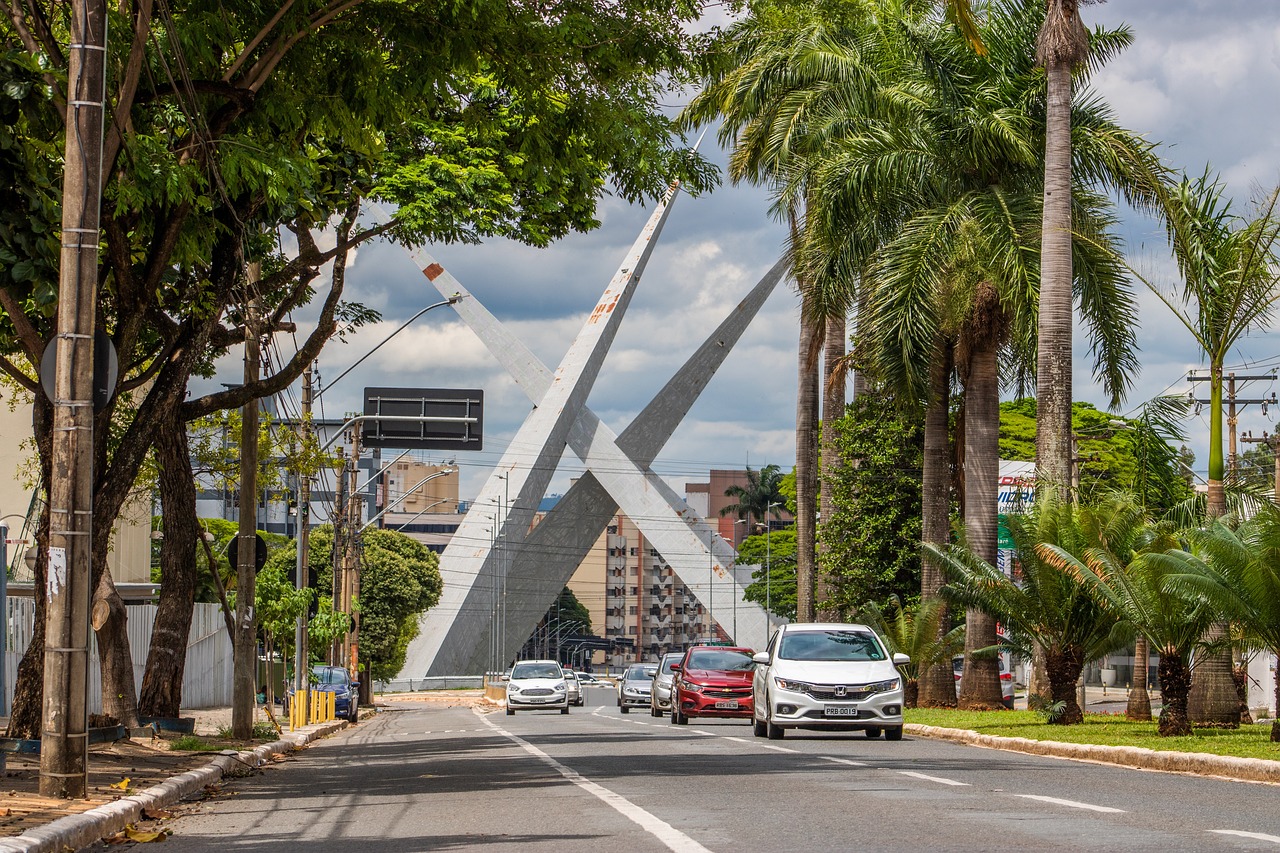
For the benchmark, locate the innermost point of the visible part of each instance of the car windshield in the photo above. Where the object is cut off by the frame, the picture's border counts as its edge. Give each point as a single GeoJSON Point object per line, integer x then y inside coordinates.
{"type": "Point", "coordinates": [568, 674]}
{"type": "Point", "coordinates": [535, 670]}
{"type": "Point", "coordinates": [722, 659]}
{"type": "Point", "coordinates": [641, 673]}
{"type": "Point", "coordinates": [830, 645]}
{"type": "Point", "coordinates": [329, 675]}
{"type": "Point", "coordinates": [669, 662]}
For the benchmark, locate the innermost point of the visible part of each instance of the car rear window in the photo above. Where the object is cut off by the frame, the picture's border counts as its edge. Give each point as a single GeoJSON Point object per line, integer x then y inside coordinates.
{"type": "Point", "coordinates": [830, 645]}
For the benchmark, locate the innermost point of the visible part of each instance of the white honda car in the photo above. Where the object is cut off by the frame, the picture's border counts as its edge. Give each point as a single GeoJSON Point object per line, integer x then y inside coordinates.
{"type": "Point", "coordinates": [827, 676]}
{"type": "Point", "coordinates": [537, 684]}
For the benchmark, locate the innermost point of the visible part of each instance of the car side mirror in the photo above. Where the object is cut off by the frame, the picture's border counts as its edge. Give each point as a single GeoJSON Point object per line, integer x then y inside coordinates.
{"type": "Point", "coordinates": [504, 678]}
{"type": "Point", "coordinates": [899, 659]}
{"type": "Point", "coordinates": [355, 685]}
{"type": "Point", "coordinates": [675, 667]}
{"type": "Point", "coordinates": [760, 657]}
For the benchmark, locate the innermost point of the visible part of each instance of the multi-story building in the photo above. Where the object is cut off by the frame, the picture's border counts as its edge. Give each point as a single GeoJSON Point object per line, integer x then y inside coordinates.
{"type": "Point", "coordinates": [645, 610]}
{"type": "Point", "coordinates": [709, 499]}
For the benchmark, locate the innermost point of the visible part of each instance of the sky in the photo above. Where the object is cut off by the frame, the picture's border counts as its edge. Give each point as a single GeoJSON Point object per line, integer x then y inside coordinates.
{"type": "Point", "coordinates": [1200, 78]}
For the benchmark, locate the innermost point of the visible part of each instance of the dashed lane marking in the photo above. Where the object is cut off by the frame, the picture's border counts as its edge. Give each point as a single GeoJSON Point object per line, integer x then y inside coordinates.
{"type": "Point", "coordinates": [937, 779]}
{"type": "Point", "coordinates": [842, 761]}
{"type": "Point", "coordinates": [1257, 836]}
{"type": "Point", "coordinates": [673, 838]}
{"type": "Point", "coordinates": [1071, 804]}
{"type": "Point", "coordinates": [777, 748]}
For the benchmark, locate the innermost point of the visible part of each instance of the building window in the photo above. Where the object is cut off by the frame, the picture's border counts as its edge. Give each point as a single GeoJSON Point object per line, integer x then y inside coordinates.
{"type": "Point", "coordinates": [631, 630]}
{"type": "Point", "coordinates": [612, 528]}
{"type": "Point", "coordinates": [635, 590]}
{"type": "Point", "coordinates": [632, 610]}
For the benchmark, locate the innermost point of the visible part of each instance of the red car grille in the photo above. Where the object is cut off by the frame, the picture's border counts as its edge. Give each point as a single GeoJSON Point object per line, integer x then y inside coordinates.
{"type": "Point", "coordinates": [727, 692]}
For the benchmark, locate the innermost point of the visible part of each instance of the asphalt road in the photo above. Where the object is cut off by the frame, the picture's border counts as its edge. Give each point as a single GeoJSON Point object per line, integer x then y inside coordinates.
{"type": "Point", "coordinates": [424, 778]}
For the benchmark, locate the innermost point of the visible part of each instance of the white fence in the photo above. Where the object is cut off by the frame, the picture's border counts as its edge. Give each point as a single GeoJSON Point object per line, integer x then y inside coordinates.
{"type": "Point", "coordinates": [206, 681]}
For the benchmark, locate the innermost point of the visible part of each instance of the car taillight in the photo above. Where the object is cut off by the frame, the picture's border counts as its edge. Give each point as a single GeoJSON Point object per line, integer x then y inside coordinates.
{"type": "Point", "coordinates": [1006, 677]}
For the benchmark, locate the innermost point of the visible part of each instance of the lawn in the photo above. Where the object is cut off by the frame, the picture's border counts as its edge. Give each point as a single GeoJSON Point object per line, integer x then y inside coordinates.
{"type": "Point", "coordinates": [1249, 741]}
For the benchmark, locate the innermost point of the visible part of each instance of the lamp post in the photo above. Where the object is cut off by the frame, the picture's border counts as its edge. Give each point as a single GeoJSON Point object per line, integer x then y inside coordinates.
{"type": "Point", "coordinates": [733, 576]}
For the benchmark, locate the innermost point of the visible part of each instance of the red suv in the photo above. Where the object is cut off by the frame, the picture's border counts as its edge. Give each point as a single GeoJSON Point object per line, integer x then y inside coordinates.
{"type": "Point", "coordinates": [712, 681]}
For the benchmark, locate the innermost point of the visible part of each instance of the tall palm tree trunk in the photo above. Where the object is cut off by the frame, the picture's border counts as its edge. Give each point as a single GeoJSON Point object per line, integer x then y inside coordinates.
{"type": "Point", "coordinates": [937, 681]}
{"type": "Point", "coordinates": [806, 466]}
{"type": "Point", "coordinates": [1139, 707]}
{"type": "Point", "coordinates": [1053, 368]}
{"type": "Point", "coordinates": [981, 681]}
{"type": "Point", "coordinates": [833, 392]}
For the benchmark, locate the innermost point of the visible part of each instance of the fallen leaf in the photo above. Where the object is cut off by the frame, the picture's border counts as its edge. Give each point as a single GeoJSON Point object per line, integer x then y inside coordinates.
{"type": "Point", "coordinates": [157, 814]}
{"type": "Point", "coordinates": [144, 835]}
{"type": "Point", "coordinates": [123, 784]}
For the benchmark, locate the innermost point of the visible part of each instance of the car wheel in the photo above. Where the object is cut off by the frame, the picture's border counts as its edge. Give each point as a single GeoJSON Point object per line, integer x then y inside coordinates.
{"type": "Point", "coordinates": [873, 732]}
{"type": "Point", "coordinates": [355, 714]}
{"type": "Point", "coordinates": [682, 719]}
{"type": "Point", "coordinates": [893, 733]}
{"type": "Point", "coordinates": [625, 709]}
{"type": "Point", "coordinates": [564, 710]}
{"type": "Point", "coordinates": [654, 712]}
{"type": "Point", "coordinates": [771, 731]}
{"type": "Point", "coordinates": [757, 727]}
{"type": "Point", "coordinates": [511, 712]}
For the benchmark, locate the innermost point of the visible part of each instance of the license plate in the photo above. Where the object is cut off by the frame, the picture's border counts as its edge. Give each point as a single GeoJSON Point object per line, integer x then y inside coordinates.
{"type": "Point", "coordinates": [840, 710]}
{"type": "Point", "coordinates": [728, 704]}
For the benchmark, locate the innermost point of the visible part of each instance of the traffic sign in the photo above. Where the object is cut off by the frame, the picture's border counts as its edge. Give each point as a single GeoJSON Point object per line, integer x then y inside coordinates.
{"type": "Point", "coordinates": [259, 557]}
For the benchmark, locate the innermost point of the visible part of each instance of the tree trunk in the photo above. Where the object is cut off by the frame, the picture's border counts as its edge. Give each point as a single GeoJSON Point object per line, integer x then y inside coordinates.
{"type": "Point", "coordinates": [1175, 682]}
{"type": "Point", "coordinates": [833, 408]}
{"type": "Point", "coordinates": [1275, 724]}
{"type": "Point", "coordinates": [937, 681]}
{"type": "Point", "coordinates": [806, 466]}
{"type": "Point", "coordinates": [1240, 675]}
{"type": "Point", "coordinates": [1054, 359]}
{"type": "Point", "coordinates": [910, 693]}
{"type": "Point", "coordinates": [980, 688]}
{"type": "Point", "coordinates": [119, 693]}
{"type": "Point", "coordinates": [1139, 707]}
{"type": "Point", "coordinates": [1063, 668]}
{"type": "Point", "coordinates": [27, 713]}
{"type": "Point", "coordinates": [1212, 698]}
{"type": "Point", "coordinates": [166, 659]}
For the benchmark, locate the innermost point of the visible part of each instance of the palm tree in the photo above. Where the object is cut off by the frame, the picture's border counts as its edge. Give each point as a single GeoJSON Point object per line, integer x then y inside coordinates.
{"type": "Point", "coordinates": [1228, 265]}
{"type": "Point", "coordinates": [1238, 572]}
{"type": "Point", "coordinates": [1130, 574]}
{"type": "Point", "coordinates": [1046, 607]}
{"type": "Point", "coordinates": [779, 69]}
{"type": "Point", "coordinates": [756, 497]}
{"type": "Point", "coordinates": [918, 632]}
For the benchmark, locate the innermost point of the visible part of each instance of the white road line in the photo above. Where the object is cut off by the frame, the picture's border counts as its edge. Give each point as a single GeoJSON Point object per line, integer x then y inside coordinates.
{"type": "Point", "coordinates": [1071, 804]}
{"type": "Point", "coordinates": [939, 780]}
{"type": "Point", "coordinates": [842, 761]}
{"type": "Point", "coordinates": [1258, 836]}
{"type": "Point", "coordinates": [738, 739]}
{"type": "Point", "coordinates": [777, 748]}
{"type": "Point", "coordinates": [701, 732]}
{"type": "Point", "coordinates": [673, 838]}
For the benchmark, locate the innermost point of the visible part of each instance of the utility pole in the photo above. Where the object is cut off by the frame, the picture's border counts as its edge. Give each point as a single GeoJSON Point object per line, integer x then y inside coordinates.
{"type": "Point", "coordinates": [64, 737]}
{"type": "Point", "coordinates": [300, 654]}
{"type": "Point", "coordinates": [340, 532]}
{"type": "Point", "coordinates": [351, 559]}
{"type": "Point", "coordinates": [1273, 443]}
{"type": "Point", "coordinates": [245, 674]}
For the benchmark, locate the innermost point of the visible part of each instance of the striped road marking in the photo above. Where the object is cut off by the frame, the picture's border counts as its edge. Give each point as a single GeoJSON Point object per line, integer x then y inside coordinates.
{"type": "Point", "coordinates": [673, 838]}
{"type": "Point", "coordinates": [1071, 804]}
{"type": "Point", "coordinates": [942, 781]}
{"type": "Point", "coordinates": [1258, 836]}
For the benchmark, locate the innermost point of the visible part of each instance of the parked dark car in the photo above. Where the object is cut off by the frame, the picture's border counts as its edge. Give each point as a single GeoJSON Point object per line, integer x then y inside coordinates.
{"type": "Point", "coordinates": [335, 680]}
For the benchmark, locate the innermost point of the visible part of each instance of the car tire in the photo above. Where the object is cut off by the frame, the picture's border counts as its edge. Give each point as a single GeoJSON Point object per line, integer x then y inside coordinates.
{"type": "Point", "coordinates": [893, 733]}
{"type": "Point", "coordinates": [625, 709]}
{"type": "Point", "coordinates": [354, 717]}
{"type": "Point", "coordinates": [511, 712]}
{"type": "Point", "coordinates": [679, 717]}
{"type": "Point", "coordinates": [771, 731]}
{"type": "Point", "coordinates": [564, 710]}
{"type": "Point", "coordinates": [873, 732]}
{"type": "Point", "coordinates": [654, 712]}
{"type": "Point", "coordinates": [757, 727]}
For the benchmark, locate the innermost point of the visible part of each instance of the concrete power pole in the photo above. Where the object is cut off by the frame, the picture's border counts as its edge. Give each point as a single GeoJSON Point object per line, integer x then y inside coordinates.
{"type": "Point", "coordinates": [300, 654]}
{"type": "Point", "coordinates": [351, 558]}
{"type": "Point", "coordinates": [65, 723]}
{"type": "Point", "coordinates": [245, 672]}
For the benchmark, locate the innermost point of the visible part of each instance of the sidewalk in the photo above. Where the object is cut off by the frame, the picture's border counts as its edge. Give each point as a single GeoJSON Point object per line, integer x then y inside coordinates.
{"type": "Point", "coordinates": [125, 779]}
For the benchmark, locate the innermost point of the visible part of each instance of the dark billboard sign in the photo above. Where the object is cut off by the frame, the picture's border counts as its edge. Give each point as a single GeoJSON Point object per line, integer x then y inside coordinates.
{"type": "Point", "coordinates": [424, 418]}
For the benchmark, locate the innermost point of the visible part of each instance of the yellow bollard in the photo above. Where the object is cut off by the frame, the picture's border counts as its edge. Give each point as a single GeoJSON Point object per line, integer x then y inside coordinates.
{"type": "Point", "coordinates": [330, 706]}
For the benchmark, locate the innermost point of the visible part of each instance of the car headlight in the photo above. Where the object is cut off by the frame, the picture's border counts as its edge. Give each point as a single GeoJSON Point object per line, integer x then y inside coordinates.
{"type": "Point", "coordinates": [631, 691]}
{"type": "Point", "coordinates": [559, 688]}
{"type": "Point", "coordinates": [693, 688]}
{"type": "Point", "coordinates": [794, 686]}
{"type": "Point", "coordinates": [884, 686]}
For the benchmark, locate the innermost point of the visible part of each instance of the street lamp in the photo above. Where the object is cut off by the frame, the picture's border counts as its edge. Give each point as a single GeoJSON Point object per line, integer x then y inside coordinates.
{"type": "Point", "coordinates": [441, 473]}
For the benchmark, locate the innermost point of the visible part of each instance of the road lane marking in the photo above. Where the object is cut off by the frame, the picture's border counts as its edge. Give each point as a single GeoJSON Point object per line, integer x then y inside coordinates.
{"type": "Point", "coordinates": [1257, 836]}
{"type": "Point", "coordinates": [939, 780]}
{"type": "Point", "coordinates": [841, 761]}
{"type": "Point", "coordinates": [776, 748]}
{"type": "Point", "coordinates": [673, 838]}
{"type": "Point", "coordinates": [738, 739]}
{"type": "Point", "coordinates": [1071, 804]}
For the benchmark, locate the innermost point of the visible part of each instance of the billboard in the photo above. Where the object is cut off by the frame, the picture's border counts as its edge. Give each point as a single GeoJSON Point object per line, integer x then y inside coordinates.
{"type": "Point", "coordinates": [424, 418]}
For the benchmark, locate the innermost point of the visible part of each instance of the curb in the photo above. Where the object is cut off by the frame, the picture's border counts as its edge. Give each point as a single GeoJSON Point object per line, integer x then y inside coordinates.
{"type": "Point", "coordinates": [1198, 763]}
{"type": "Point", "coordinates": [80, 830]}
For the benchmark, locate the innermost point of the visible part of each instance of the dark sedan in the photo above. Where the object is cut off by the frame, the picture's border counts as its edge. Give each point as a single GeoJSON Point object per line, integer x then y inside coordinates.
{"type": "Point", "coordinates": [345, 690]}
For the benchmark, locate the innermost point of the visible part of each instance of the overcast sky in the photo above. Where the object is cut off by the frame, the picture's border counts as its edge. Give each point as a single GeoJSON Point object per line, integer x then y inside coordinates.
{"type": "Point", "coordinates": [1201, 79]}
